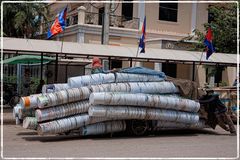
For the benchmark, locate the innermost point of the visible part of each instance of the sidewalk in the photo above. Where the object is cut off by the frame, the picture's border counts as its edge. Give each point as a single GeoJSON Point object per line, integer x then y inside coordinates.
{"type": "Point", "coordinates": [8, 115]}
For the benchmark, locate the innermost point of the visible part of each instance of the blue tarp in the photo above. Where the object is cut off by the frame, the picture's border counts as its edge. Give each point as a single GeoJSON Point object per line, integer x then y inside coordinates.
{"type": "Point", "coordinates": [143, 70]}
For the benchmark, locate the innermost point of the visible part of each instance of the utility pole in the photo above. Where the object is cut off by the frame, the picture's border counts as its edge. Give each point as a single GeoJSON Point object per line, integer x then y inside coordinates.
{"type": "Point", "coordinates": [105, 32]}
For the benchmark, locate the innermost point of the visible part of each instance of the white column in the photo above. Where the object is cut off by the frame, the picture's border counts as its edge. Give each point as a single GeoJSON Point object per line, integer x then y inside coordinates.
{"type": "Point", "coordinates": [80, 36]}
{"type": "Point", "coordinates": [112, 7]}
{"type": "Point", "coordinates": [106, 23]}
{"type": "Point", "coordinates": [81, 14]}
{"type": "Point", "coordinates": [81, 20]}
{"type": "Point", "coordinates": [194, 16]}
{"type": "Point", "coordinates": [158, 66]}
{"type": "Point", "coordinates": [141, 13]}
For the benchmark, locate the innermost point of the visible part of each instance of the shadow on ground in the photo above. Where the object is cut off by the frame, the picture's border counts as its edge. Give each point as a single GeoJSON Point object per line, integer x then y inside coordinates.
{"type": "Point", "coordinates": [115, 136]}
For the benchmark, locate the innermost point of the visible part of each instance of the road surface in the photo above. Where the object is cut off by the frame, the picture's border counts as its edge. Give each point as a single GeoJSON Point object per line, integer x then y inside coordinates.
{"type": "Point", "coordinates": [19, 142]}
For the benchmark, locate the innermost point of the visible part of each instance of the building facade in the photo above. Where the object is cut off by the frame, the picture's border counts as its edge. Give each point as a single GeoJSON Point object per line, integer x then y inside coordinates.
{"type": "Point", "coordinates": [166, 24]}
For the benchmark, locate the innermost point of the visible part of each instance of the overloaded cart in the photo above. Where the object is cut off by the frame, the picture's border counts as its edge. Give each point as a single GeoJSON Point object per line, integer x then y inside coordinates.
{"type": "Point", "coordinates": [134, 100]}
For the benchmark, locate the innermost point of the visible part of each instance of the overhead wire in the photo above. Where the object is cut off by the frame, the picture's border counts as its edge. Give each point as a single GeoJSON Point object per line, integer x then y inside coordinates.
{"type": "Point", "coordinates": [112, 11]}
{"type": "Point", "coordinates": [115, 8]}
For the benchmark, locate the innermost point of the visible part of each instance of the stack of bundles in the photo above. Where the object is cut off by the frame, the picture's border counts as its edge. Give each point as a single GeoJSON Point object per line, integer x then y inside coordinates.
{"type": "Point", "coordinates": [120, 105]}
{"type": "Point", "coordinates": [54, 119]}
{"type": "Point", "coordinates": [64, 118]}
{"type": "Point", "coordinates": [100, 78]}
{"type": "Point", "coordinates": [100, 103]}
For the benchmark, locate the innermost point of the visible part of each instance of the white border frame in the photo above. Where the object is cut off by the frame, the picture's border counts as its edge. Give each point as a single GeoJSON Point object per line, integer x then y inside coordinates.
{"type": "Point", "coordinates": [120, 2]}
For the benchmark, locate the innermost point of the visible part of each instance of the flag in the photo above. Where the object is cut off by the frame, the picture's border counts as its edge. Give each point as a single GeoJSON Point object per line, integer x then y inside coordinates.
{"type": "Point", "coordinates": [142, 38]}
{"type": "Point", "coordinates": [208, 43]}
{"type": "Point", "coordinates": [59, 24]}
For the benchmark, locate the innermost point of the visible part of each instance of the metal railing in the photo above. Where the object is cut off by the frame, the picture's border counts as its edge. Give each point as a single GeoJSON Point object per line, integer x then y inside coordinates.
{"type": "Point", "coordinates": [114, 20]}
{"type": "Point", "coordinates": [96, 19]}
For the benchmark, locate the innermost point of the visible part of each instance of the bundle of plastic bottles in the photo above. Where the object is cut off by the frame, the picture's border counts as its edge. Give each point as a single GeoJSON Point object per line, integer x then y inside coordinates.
{"type": "Point", "coordinates": [101, 103]}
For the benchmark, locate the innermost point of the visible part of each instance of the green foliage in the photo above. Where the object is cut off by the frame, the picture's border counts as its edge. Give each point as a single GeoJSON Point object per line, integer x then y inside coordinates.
{"type": "Point", "coordinates": [23, 19]}
{"type": "Point", "coordinates": [9, 79]}
{"type": "Point", "coordinates": [223, 84]}
{"type": "Point", "coordinates": [224, 27]}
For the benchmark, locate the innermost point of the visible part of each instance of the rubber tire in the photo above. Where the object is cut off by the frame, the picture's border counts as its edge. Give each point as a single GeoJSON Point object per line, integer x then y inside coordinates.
{"type": "Point", "coordinates": [137, 127]}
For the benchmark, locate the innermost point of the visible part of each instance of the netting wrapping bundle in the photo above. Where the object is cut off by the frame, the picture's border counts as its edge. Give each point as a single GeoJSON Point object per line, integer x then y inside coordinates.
{"type": "Point", "coordinates": [63, 97]}
{"type": "Point", "coordinates": [67, 124]}
{"type": "Point", "coordinates": [101, 78]}
{"type": "Point", "coordinates": [137, 87]}
{"type": "Point", "coordinates": [126, 112]}
{"type": "Point", "coordinates": [158, 101]}
{"type": "Point", "coordinates": [80, 81]}
{"type": "Point", "coordinates": [62, 111]}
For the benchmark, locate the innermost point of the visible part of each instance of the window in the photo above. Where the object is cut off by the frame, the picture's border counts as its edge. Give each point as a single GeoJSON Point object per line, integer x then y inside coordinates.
{"type": "Point", "coordinates": [68, 22]}
{"type": "Point", "coordinates": [127, 10]}
{"type": "Point", "coordinates": [100, 15]}
{"type": "Point", "coordinates": [170, 69]}
{"type": "Point", "coordinates": [218, 75]}
{"type": "Point", "coordinates": [216, 72]}
{"type": "Point", "coordinates": [115, 64]}
{"type": "Point", "coordinates": [168, 11]}
{"type": "Point", "coordinates": [75, 19]}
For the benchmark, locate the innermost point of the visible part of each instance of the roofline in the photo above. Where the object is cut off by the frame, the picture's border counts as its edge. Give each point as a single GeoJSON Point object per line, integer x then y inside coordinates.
{"type": "Point", "coordinates": [130, 58]}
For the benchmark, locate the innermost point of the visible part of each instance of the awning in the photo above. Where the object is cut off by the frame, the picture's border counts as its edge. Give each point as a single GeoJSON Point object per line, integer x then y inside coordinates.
{"type": "Point", "coordinates": [86, 50]}
{"type": "Point", "coordinates": [27, 59]}
{"type": "Point", "coordinates": [75, 61]}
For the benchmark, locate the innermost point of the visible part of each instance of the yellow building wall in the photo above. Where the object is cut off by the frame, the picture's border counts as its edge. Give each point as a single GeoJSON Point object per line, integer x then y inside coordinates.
{"type": "Point", "coordinates": [92, 38]}
{"type": "Point", "coordinates": [151, 11]}
{"type": "Point", "coordinates": [149, 65]}
{"type": "Point", "coordinates": [184, 71]}
{"type": "Point", "coordinates": [202, 16]}
{"type": "Point", "coordinates": [113, 40]}
{"type": "Point", "coordinates": [70, 38]}
{"type": "Point", "coordinates": [125, 64]}
{"type": "Point", "coordinates": [229, 75]}
{"type": "Point", "coordinates": [181, 26]}
{"type": "Point", "coordinates": [200, 75]}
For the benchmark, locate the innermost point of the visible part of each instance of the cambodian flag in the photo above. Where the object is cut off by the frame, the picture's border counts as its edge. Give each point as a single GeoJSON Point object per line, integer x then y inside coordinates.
{"type": "Point", "coordinates": [59, 24]}
{"type": "Point", "coordinates": [142, 38]}
{"type": "Point", "coordinates": [208, 43]}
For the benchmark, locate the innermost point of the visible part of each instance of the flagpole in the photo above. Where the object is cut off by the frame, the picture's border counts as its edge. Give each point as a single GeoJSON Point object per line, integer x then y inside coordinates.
{"type": "Point", "coordinates": [209, 38]}
{"type": "Point", "coordinates": [56, 62]}
{"type": "Point", "coordinates": [142, 38]}
{"type": "Point", "coordinates": [136, 54]}
{"type": "Point", "coordinates": [198, 66]}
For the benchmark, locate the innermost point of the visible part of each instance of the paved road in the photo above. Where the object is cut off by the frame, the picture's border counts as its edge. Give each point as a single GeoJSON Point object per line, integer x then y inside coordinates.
{"type": "Point", "coordinates": [19, 142]}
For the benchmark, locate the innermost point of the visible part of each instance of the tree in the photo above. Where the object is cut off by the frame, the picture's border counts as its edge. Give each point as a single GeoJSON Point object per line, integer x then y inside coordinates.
{"type": "Point", "coordinates": [23, 19]}
{"type": "Point", "coordinates": [223, 21]}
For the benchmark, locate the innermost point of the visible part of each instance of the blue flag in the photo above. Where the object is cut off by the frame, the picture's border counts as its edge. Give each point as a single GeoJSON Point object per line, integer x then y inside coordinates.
{"type": "Point", "coordinates": [59, 24]}
{"type": "Point", "coordinates": [208, 43]}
